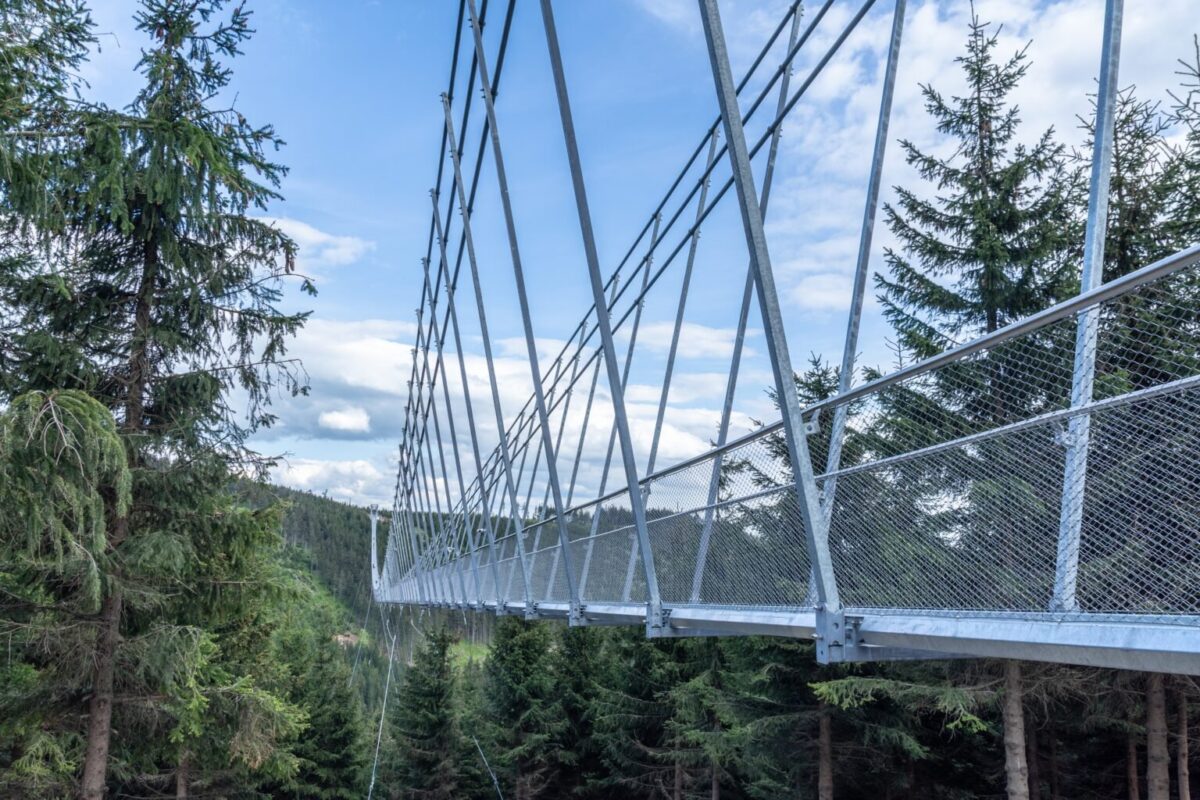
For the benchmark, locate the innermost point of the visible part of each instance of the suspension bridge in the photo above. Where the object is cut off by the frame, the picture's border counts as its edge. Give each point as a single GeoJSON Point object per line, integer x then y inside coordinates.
{"type": "Point", "coordinates": [1031, 493]}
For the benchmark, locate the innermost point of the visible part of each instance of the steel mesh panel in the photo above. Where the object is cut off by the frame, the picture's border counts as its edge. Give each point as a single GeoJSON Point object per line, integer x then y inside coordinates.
{"type": "Point", "coordinates": [606, 558]}
{"type": "Point", "coordinates": [1145, 337]}
{"type": "Point", "coordinates": [748, 542]}
{"type": "Point", "coordinates": [1140, 549]}
{"type": "Point", "coordinates": [540, 563]}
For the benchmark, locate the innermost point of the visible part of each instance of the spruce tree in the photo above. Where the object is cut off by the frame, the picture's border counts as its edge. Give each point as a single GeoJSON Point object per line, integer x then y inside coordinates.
{"type": "Point", "coordinates": [702, 727]}
{"type": "Point", "coordinates": [630, 714]}
{"type": "Point", "coordinates": [42, 45]}
{"type": "Point", "coordinates": [1185, 114]}
{"type": "Point", "coordinates": [989, 247]}
{"type": "Point", "coordinates": [62, 467]}
{"type": "Point", "coordinates": [429, 748]}
{"type": "Point", "coordinates": [332, 752]}
{"type": "Point", "coordinates": [159, 298]}
{"type": "Point", "coordinates": [525, 708]}
{"type": "Point", "coordinates": [993, 245]}
{"type": "Point", "coordinates": [578, 658]}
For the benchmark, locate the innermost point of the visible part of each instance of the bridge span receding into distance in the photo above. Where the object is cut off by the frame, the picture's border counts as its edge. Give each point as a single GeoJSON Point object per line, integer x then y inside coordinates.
{"type": "Point", "coordinates": [1033, 492]}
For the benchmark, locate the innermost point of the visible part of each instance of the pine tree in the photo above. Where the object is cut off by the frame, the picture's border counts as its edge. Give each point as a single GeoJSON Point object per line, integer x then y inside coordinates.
{"type": "Point", "coordinates": [429, 748]}
{"type": "Point", "coordinates": [158, 297]}
{"type": "Point", "coordinates": [992, 246]}
{"type": "Point", "coordinates": [525, 708]}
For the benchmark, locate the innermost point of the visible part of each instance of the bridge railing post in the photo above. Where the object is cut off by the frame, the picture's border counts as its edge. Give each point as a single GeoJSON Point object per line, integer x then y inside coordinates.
{"type": "Point", "coordinates": [506, 458]}
{"type": "Point", "coordinates": [1066, 567]}
{"type": "Point", "coordinates": [373, 510]}
{"type": "Point", "coordinates": [654, 615]}
{"type": "Point", "coordinates": [830, 623]}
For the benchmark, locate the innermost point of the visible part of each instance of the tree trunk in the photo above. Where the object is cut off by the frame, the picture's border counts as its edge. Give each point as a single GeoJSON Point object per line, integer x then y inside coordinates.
{"type": "Point", "coordinates": [183, 777]}
{"type": "Point", "coordinates": [1031, 759]}
{"type": "Point", "coordinates": [716, 782]}
{"type": "Point", "coordinates": [1131, 767]}
{"type": "Point", "coordinates": [1054, 785]}
{"type": "Point", "coordinates": [1158, 759]}
{"type": "Point", "coordinates": [825, 755]}
{"type": "Point", "coordinates": [678, 780]}
{"type": "Point", "coordinates": [1016, 768]}
{"type": "Point", "coordinates": [1183, 749]}
{"type": "Point", "coordinates": [99, 731]}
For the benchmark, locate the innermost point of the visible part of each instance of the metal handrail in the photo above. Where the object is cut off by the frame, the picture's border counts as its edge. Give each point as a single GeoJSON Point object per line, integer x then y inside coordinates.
{"type": "Point", "coordinates": [1114, 288]}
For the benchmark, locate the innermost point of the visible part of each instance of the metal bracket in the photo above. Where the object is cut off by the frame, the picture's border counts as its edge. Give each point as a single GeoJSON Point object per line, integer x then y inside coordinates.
{"type": "Point", "coordinates": [830, 637]}
{"type": "Point", "coordinates": [813, 425]}
{"type": "Point", "coordinates": [657, 620]}
{"type": "Point", "coordinates": [1064, 437]}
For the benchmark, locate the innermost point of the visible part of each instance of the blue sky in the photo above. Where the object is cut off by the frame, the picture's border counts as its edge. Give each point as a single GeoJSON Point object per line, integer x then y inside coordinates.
{"type": "Point", "coordinates": [354, 85]}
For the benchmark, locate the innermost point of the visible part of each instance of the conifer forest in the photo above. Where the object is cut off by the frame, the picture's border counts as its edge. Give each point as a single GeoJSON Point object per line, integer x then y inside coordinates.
{"type": "Point", "coordinates": [173, 623]}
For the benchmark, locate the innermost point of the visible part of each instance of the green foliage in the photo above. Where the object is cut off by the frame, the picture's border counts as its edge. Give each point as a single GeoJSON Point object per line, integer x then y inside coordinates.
{"type": "Point", "coordinates": [523, 705]}
{"type": "Point", "coordinates": [954, 703]}
{"type": "Point", "coordinates": [62, 467]}
{"type": "Point", "coordinates": [992, 245]}
{"type": "Point", "coordinates": [43, 43]}
{"type": "Point", "coordinates": [431, 755]}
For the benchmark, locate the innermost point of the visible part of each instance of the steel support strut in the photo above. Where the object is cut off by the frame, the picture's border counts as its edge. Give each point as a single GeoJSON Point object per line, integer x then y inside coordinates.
{"type": "Point", "coordinates": [830, 624]}
{"type": "Point", "coordinates": [739, 339]}
{"type": "Point", "coordinates": [861, 266]}
{"type": "Point", "coordinates": [487, 351]}
{"type": "Point", "coordinates": [654, 612]}
{"type": "Point", "coordinates": [530, 344]}
{"type": "Point", "coordinates": [1066, 567]}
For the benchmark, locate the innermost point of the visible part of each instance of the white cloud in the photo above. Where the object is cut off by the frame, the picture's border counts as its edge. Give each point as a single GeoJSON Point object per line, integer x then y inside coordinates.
{"type": "Point", "coordinates": [695, 340]}
{"type": "Point", "coordinates": [351, 420]}
{"type": "Point", "coordinates": [680, 14]}
{"type": "Point", "coordinates": [547, 349]}
{"type": "Point", "coordinates": [318, 250]}
{"type": "Point", "coordinates": [747, 23]}
{"type": "Point", "coordinates": [346, 480]}
{"type": "Point", "coordinates": [823, 291]}
{"type": "Point", "coordinates": [371, 354]}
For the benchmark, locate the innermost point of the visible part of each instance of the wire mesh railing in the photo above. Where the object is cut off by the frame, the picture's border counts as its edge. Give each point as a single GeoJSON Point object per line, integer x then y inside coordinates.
{"type": "Point", "coordinates": [950, 490]}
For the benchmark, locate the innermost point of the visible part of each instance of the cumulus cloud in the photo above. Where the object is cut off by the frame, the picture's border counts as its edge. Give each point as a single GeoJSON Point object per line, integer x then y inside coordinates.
{"type": "Point", "coordinates": [346, 480]}
{"type": "Point", "coordinates": [373, 354]}
{"type": "Point", "coordinates": [695, 340]}
{"type": "Point", "coordinates": [355, 420]}
{"type": "Point", "coordinates": [318, 250]}
{"type": "Point", "coordinates": [825, 291]}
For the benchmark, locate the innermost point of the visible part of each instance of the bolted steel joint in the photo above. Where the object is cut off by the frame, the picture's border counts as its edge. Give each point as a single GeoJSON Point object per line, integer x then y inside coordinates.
{"type": "Point", "coordinates": [831, 636]}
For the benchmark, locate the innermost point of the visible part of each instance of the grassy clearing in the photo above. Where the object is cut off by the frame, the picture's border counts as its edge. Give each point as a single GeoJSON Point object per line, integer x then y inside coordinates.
{"type": "Point", "coordinates": [464, 652]}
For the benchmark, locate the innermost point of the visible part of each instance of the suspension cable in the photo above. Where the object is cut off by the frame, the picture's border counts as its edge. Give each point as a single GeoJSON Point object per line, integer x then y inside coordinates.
{"type": "Point", "coordinates": [382, 716]}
